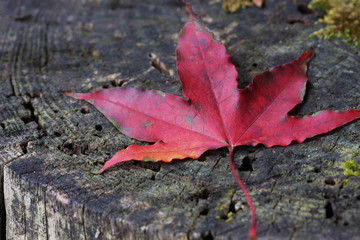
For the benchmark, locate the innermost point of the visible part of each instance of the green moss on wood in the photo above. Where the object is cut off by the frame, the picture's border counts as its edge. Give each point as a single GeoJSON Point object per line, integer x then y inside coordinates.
{"type": "Point", "coordinates": [342, 19]}
{"type": "Point", "coordinates": [234, 5]}
{"type": "Point", "coordinates": [351, 168]}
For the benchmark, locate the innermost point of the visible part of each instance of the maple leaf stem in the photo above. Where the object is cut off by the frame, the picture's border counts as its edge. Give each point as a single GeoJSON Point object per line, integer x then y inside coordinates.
{"type": "Point", "coordinates": [252, 230]}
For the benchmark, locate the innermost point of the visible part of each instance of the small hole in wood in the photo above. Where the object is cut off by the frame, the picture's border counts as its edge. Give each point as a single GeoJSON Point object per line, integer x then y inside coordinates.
{"type": "Point", "coordinates": [204, 194]}
{"type": "Point", "coordinates": [232, 207]}
{"type": "Point", "coordinates": [85, 110]}
{"type": "Point", "coordinates": [204, 211]}
{"type": "Point", "coordinates": [98, 127]}
{"type": "Point", "coordinates": [246, 164]}
{"type": "Point", "coordinates": [317, 169]}
{"type": "Point", "coordinates": [24, 147]}
{"type": "Point", "coordinates": [207, 236]}
{"type": "Point", "coordinates": [35, 94]}
{"type": "Point", "coordinates": [330, 181]}
{"type": "Point", "coordinates": [329, 212]}
{"type": "Point", "coordinates": [57, 134]}
{"type": "Point", "coordinates": [117, 82]}
{"type": "Point", "coordinates": [295, 20]}
{"type": "Point", "coordinates": [303, 8]}
{"type": "Point", "coordinates": [310, 179]}
{"type": "Point", "coordinates": [68, 146]}
{"type": "Point", "coordinates": [26, 119]}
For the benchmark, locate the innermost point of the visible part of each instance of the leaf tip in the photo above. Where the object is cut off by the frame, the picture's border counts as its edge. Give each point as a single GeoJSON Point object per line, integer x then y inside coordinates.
{"type": "Point", "coordinates": [193, 17]}
{"type": "Point", "coordinates": [311, 52]}
{"type": "Point", "coordinates": [73, 95]}
{"type": "Point", "coordinates": [68, 94]}
{"type": "Point", "coordinates": [189, 11]}
{"type": "Point", "coordinates": [307, 55]}
{"type": "Point", "coordinates": [305, 58]}
{"type": "Point", "coordinates": [83, 96]}
{"type": "Point", "coordinates": [100, 171]}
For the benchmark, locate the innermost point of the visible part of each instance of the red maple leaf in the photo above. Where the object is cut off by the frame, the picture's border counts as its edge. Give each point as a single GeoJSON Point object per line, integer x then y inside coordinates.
{"type": "Point", "coordinates": [214, 113]}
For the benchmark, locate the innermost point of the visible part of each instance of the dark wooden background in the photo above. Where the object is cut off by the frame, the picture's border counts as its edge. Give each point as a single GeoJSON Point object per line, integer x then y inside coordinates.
{"type": "Point", "coordinates": [47, 47]}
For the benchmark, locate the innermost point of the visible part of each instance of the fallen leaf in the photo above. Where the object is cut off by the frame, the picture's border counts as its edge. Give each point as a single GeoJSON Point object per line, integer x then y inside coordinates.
{"type": "Point", "coordinates": [258, 3]}
{"type": "Point", "coordinates": [214, 113]}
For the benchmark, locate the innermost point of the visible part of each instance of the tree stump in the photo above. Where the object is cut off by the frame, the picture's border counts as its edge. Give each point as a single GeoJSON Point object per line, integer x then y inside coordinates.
{"type": "Point", "coordinates": [48, 47]}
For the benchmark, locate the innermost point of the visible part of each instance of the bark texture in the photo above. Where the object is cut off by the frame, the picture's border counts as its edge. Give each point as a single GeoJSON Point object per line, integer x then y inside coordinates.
{"type": "Point", "coordinates": [47, 47]}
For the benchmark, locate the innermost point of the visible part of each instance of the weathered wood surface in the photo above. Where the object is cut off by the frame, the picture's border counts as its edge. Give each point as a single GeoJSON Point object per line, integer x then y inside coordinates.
{"type": "Point", "coordinates": [47, 47]}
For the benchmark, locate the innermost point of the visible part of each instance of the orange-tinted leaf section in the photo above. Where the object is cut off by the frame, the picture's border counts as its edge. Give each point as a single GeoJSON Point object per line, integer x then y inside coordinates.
{"type": "Point", "coordinates": [160, 151]}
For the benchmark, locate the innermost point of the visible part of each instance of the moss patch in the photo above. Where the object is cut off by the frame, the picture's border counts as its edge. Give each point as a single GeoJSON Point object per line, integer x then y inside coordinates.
{"type": "Point", "coordinates": [234, 5]}
{"type": "Point", "coordinates": [351, 169]}
{"type": "Point", "coordinates": [342, 19]}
